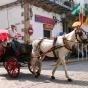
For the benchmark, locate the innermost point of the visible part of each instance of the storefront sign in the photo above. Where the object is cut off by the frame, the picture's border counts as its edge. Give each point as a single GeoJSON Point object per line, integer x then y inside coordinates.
{"type": "Point", "coordinates": [42, 19]}
{"type": "Point", "coordinates": [48, 26]}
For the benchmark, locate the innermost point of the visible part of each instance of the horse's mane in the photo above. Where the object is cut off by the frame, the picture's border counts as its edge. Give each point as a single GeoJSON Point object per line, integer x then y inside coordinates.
{"type": "Point", "coordinates": [70, 35]}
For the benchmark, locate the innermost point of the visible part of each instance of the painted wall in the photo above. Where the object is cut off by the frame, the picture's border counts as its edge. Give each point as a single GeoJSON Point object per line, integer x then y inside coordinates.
{"type": "Point", "coordinates": [82, 2]}
{"type": "Point", "coordinates": [3, 2]}
{"type": "Point", "coordinates": [12, 15]}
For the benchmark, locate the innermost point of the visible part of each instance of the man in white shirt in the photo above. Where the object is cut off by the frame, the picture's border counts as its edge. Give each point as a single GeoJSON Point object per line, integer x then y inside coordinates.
{"type": "Point", "coordinates": [12, 36]}
{"type": "Point", "coordinates": [12, 32]}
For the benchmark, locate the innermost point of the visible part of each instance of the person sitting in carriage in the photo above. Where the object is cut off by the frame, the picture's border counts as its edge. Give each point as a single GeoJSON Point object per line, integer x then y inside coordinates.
{"type": "Point", "coordinates": [15, 44]}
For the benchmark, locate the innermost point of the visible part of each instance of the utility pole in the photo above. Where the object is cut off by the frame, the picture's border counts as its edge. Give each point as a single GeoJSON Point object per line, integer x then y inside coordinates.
{"type": "Point", "coordinates": [26, 20]}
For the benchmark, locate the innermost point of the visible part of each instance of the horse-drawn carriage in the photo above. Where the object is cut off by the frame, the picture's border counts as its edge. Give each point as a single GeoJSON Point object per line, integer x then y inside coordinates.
{"type": "Point", "coordinates": [12, 61]}
{"type": "Point", "coordinates": [40, 48]}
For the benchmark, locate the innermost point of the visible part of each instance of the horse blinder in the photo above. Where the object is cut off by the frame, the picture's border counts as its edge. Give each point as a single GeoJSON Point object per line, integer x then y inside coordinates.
{"type": "Point", "coordinates": [78, 32]}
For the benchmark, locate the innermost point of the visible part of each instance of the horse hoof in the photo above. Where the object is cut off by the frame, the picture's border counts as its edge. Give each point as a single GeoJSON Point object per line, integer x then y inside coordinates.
{"type": "Point", "coordinates": [69, 80]}
{"type": "Point", "coordinates": [36, 76]}
{"type": "Point", "coordinates": [52, 77]}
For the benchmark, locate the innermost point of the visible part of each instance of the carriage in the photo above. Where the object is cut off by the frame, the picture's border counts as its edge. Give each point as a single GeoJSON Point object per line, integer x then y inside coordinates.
{"type": "Point", "coordinates": [12, 61]}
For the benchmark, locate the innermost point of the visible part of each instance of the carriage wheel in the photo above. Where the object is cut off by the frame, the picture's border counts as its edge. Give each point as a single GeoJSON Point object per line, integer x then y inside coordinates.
{"type": "Point", "coordinates": [31, 69]}
{"type": "Point", "coordinates": [12, 67]}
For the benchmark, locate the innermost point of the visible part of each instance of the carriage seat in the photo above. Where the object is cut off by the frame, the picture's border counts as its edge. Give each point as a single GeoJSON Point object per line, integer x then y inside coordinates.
{"type": "Point", "coordinates": [21, 48]}
{"type": "Point", "coordinates": [2, 50]}
{"type": "Point", "coordinates": [25, 48]}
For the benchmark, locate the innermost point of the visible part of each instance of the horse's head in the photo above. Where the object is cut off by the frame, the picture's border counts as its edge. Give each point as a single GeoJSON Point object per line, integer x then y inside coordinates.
{"type": "Point", "coordinates": [79, 33]}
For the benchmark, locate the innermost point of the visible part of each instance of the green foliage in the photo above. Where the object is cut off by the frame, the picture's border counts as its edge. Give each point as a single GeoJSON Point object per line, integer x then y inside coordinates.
{"type": "Point", "coordinates": [75, 9]}
{"type": "Point", "coordinates": [86, 10]}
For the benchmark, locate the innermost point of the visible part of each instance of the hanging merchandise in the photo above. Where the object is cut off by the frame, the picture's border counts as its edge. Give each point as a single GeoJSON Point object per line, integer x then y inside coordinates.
{"type": "Point", "coordinates": [81, 15]}
{"type": "Point", "coordinates": [86, 22]}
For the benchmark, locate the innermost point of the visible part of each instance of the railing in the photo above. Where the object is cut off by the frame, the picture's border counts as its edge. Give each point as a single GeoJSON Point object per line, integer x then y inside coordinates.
{"type": "Point", "coordinates": [61, 2]}
{"type": "Point", "coordinates": [83, 50]}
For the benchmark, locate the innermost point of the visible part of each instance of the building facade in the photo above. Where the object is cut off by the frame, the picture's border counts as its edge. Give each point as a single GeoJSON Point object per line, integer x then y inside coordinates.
{"type": "Point", "coordinates": [41, 21]}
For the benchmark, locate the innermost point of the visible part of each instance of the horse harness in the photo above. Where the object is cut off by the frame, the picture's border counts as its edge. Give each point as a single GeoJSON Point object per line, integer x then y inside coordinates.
{"type": "Point", "coordinates": [66, 45]}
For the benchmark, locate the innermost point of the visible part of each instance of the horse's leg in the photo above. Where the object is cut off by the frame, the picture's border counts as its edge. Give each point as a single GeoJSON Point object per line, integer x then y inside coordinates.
{"type": "Point", "coordinates": [34, 62]}
{"type": "Point", "coordinates": [37, 69]}
{"type": "Point", "coordinates": [56, 65]}
{"type": "Point", "coordinates": [65, 68]}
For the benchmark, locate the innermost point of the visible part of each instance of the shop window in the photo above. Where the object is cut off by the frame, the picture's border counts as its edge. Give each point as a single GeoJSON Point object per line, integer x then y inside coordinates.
{"type": "Point", "coordinates": [47, 30]}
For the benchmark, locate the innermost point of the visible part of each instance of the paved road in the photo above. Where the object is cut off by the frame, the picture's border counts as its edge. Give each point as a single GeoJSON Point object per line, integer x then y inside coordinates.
{"type": "Point", "coordinates": [77, 71]}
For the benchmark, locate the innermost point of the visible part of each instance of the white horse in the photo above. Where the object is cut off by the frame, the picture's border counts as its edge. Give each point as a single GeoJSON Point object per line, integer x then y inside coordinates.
{"type": "Point", "coordinates": [55, 47]}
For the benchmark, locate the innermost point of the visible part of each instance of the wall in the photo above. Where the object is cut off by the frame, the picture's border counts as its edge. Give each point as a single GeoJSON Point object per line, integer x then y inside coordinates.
{"type": "Point", "coordinates": [12, 15]}
{"type": "Point", "coordinates": [3, 2]}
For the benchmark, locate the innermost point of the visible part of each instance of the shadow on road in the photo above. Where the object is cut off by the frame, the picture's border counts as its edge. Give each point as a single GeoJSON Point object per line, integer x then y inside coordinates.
{"type": "Point", "coordinates": [77, 66]}
{"type": "Point", "coordinates": [44, 79]}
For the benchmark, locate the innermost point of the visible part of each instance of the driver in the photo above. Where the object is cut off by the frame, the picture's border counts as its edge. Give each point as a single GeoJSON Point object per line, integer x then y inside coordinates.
{"type": "Point", "coordinates": [12, 38]}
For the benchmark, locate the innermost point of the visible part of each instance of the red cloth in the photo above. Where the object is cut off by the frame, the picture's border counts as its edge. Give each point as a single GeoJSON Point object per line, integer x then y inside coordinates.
{"type": "Point", "coordinates": [3, 37]}
{"type": "Point", "coordinates": [81, 15]}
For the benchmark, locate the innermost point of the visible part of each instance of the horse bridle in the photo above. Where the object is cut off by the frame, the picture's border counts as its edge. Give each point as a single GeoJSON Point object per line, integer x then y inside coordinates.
{"type": "Point", "coordinates": [79, 32]}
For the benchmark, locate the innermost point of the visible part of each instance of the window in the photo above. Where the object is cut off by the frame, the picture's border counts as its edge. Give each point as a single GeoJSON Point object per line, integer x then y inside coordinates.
{"type": "Point", "coordinates": [47, 30]}
{"type": "Point", "coordinates": [47, 33]}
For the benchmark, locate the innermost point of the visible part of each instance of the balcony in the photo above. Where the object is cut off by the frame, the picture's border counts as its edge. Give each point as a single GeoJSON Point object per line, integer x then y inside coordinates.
{"type": "Point", "coordinates": [57, 6]}
{"type": "Point", "coordinates": [63, 3]}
